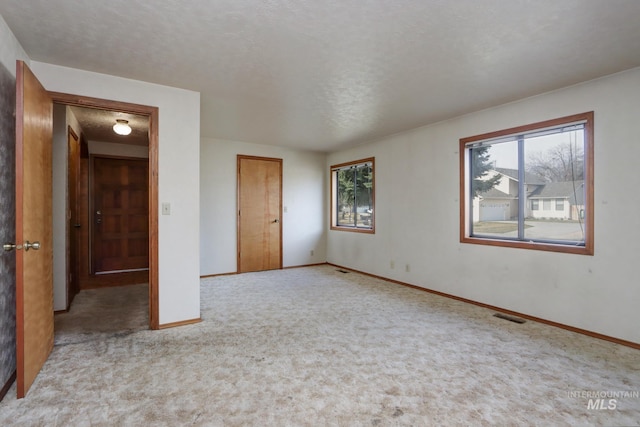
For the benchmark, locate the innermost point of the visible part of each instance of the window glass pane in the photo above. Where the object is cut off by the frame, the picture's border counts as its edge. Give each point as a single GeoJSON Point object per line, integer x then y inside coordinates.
{"type": "Point", "coordinates": [345, 197]}
{"type": "Point", "coordinates": [494, 188]}
{"type": "Point", "coordinates": [555, 165]}
{"type": "Point", "coordinates": [364, 199]}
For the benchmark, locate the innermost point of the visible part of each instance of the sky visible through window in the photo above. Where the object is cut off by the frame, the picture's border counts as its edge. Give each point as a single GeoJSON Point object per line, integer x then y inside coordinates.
{"type": "Point", "coordinates": [505, 155]}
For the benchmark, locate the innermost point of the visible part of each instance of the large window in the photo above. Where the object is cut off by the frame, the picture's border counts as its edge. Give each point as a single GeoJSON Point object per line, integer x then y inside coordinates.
{"type": "Point", "coordinates": [352, 196]}
{"type": "Point", "coordinates": [530, 187]}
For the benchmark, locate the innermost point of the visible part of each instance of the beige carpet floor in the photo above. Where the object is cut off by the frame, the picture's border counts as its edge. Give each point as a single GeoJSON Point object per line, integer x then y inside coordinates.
{"type": "Point", "coordinates": [316, 347]}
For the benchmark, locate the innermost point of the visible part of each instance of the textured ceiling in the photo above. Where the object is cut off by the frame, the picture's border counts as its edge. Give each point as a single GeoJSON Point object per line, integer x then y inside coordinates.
{"type": "Point", "coordinates": [328, 74]}
{"type": "Point", "coordinates": [97, 125]}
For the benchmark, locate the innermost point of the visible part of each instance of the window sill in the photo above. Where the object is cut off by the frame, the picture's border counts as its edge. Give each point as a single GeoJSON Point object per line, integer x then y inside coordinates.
{"type": "Point", "coordinates": [354, 229]}
{"type": "Point", "coordinates": [538, 246]}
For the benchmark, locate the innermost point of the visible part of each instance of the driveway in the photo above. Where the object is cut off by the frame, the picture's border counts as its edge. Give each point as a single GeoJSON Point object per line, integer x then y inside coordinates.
{"type": "Point", "coordinates": [551, 230]}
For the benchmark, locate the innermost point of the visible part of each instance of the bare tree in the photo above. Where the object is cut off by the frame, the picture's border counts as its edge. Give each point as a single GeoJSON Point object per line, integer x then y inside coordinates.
{"type": "Point", "coordinates": [562, 163]}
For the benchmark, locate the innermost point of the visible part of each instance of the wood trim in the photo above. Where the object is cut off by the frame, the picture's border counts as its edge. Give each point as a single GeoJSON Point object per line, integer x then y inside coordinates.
{"type": "Point", "coordinates": [73, 133]}
{"type": "Point", "coordinates": [589, 169]}
{"type": "Point", "coordinates": [238, 214]}
{"type": "Point", "coordinates": [504, 310]}
{"type": "Point", "coordinates": [232, 273]}
{"type": "Point", "coordinates": [270, 159]}
{"type": "Point", "coordinates": [354, 162]}
{"type": "Point", "coordinates": [352, 229]}
{"type": "Point", "coordinates": [19, 226]}
{"type": "Point", "coordinates": [101, 104]}
{"type": "Point", "coordinates": [588, 248]}
{"type": "Point", "coordinates": [153, 114]}
{"type": "Point", "coordinates": [72, 211]}
{"type": "Point", "coordinates": [56, 312]}
{"type": "Point", "coordinates": [526, 128]}
{"type": "Point", "coordinates": [304, 265]}
{"type": "Point", "coordinates": [180, 323]}
{"type": "Point", "coordinates": [7, 385]}
{"type": "Point", "coordinates": [154, 169]}
{"type": "Point", "coordinates": [462, 169]}
{"type": "Point", "coordinates": [518, 244]}
{"type": "Point", "coordinates": [332, 191]}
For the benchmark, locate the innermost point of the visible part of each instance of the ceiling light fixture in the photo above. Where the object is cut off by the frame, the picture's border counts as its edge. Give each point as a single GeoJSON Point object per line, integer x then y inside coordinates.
{"type": "Point", "coordinates": [122, 127]}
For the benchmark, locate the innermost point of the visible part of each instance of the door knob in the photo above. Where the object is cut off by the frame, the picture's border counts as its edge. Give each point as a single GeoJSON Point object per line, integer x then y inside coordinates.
{"type": "Point", "coordinates": [35, 246]}
{"type": "Point", "coordinates": [27, 245]}
{"type": "Point", "coordinates": [11, 246]}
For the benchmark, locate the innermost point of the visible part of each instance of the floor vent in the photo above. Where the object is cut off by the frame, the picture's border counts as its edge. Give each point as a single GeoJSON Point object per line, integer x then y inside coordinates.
{"type": "Point", "coordinates": [343, 271]}
{"type": "Point", "coordinates": [509, 318]}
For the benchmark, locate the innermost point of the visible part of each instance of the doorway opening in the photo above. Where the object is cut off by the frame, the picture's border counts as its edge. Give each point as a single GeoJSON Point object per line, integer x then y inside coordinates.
{"type": "Point", "coordinates": [119, 245]}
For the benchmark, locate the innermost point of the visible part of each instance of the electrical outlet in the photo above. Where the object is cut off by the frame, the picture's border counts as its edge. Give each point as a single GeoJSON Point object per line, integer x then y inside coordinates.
{"type": "Point", "coordinates": [392, 264]}
{"type": "Point", "coordinates": [311, 252]}
{"type": "Point", "coordinates": [166, 208]}
{"type": "Point", "coordinates": [407, 268]}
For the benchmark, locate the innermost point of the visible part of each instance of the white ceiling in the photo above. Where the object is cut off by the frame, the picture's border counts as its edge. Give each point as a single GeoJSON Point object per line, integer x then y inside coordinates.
{"type": "Point", "coordinates": [97, 125]}
{"type": "Point", "coordinates": [326, 74]}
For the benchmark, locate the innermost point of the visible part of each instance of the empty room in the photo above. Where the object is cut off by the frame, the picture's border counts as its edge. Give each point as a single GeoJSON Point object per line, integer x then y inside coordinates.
{"type": "Point", "coordinates": [319, 213]}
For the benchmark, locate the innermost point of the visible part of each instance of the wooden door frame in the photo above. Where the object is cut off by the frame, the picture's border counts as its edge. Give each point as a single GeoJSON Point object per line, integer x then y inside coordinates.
{"type": "Point", "coordinates": [153, 114]}
{"type": "Point", "coordinates": [72, 240]}
{"type": "Point", "coordinates": [238, 159]}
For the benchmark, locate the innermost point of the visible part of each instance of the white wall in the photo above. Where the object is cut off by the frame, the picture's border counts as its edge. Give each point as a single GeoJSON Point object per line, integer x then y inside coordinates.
{"type": "Point", "coordinates": [179, 131]}
{"type": "Point", "coordinates": [10, 49]}
{"type": "Point", "coordinates": [417, 216]}
{"type": "Point", "coordinates": [303, 223]}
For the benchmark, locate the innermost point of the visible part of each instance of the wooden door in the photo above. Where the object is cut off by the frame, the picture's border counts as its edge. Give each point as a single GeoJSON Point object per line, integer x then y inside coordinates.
{"type": "Point", "coordinates": [259, 214]}
{"type": "Point", "coordinates": [120, 238]}
{"type": "Point", "coordinates": [34, 265]}
{"type": "Point", "coordinates": [73, 217]}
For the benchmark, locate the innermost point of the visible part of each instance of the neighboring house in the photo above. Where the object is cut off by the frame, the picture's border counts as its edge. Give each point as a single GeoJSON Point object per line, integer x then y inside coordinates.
{"type": "Point", "coordinates": [558, 200]}
{"type": "Point", "coordinates": [551, 200]}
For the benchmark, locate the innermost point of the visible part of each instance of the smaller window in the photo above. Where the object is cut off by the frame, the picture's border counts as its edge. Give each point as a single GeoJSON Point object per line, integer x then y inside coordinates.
{"type": "Point", "coordinates": [352, 196]}
{"type": "Point", "coordinates": [535, 205]}
{"type": "Point", "coordinates": [559, 204]}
